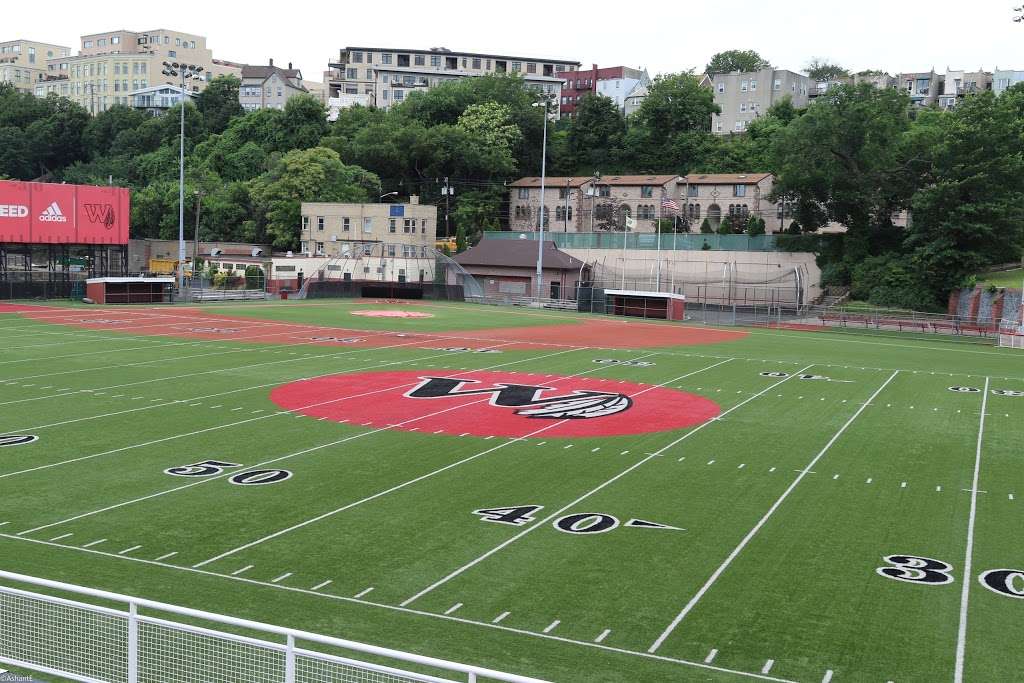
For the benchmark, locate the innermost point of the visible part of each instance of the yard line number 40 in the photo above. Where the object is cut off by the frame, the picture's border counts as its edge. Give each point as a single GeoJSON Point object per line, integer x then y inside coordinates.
{"type": "Point", "coordinates": [928, 571]}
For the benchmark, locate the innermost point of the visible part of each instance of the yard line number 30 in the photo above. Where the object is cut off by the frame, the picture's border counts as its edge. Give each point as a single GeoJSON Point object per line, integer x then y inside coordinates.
{"type": "Point", "coordinates": [932, 572]}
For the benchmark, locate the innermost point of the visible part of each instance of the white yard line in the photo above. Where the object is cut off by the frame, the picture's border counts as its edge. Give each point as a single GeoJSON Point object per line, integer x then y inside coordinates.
{"type": "Point", "coordinates": [966, 576]}
{"type": "Point", "coordinates": [230, 424]}
{"type": "Point", "coordinates": [410, 482]}
{"type": "Point", "coordinates": [757, 527]}
{"type": "Point", "coordinates": [414, 612]}
{"type": "Point", "coordinates": [586, 495]}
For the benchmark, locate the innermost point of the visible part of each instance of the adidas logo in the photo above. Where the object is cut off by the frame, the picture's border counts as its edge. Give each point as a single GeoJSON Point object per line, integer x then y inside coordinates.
{"type": "Point", "coordinates": [53, 214]}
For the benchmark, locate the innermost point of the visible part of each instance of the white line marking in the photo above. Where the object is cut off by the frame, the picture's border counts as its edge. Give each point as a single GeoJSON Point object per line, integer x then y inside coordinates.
{"type": "Point", "coordinates": [938, 488]}
{"type": "Point", "coordinates": [827, 677]}
{"type": "Point", "coordinates": [767, 665]}
{"type": "Point", "coordinates": [57, 538]}
{"type": "Point", "coordinates": [363, 592]}
{"type": "Point", "coordinates": [321, 585]}
{"type": "Point", "coordinates": [965, 593]}
{"type": "Point", "coordinates": [242, 570]}
{"type": "Point", "coordinates": [403, 610]}
{"type": "Point", "coordinates": [453, 608]}
{"type": "Point", "coordinates": [498, 619]}
{"type": "Point", "coordinates": [711, 656]}
{"type": "Point", "coordinates": [281, 578]}
{"type": "Point", "coordinates": [586, 495]}
{"type": "Point", "coordinates": [604, 633]}
{"type": "Point", "coordinates": [903, 484]}
{"type": "Point", "coordinates": [164, 557]}
{"type": "Point", "coordinates": [551, 627]}
{"type": "Point", "coordinates": [771, 469]}
{"type": "Point", "coordinates": [757, 527]}
{"type": "Point", "coordinates": [128, 550]}
{"type": "Point", "coordinates": [89, 545]}
{"type": "Point", "coordinates": [868, 480]}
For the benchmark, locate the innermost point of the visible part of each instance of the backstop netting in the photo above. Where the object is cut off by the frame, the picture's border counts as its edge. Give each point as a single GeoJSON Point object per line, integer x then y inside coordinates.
{"type": "Point", "coordinates": [390, 270]}
{"type": "Point", "coordinates": [1011, 334]}
{"type": "Point", "coordinates": [724, 283]}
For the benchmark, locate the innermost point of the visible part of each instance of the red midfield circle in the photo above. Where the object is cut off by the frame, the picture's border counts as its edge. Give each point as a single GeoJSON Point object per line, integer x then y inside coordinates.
{"type": "Point", "coordinates": [487, 403]}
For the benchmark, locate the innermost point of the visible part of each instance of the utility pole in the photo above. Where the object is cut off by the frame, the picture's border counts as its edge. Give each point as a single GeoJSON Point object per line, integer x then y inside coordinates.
{"type": "Point", "coordinates": [565, 215]}
{"type": "Point", "coordinates": [195, 248]}
{"type": "Point", "coordinates": [447, 191]}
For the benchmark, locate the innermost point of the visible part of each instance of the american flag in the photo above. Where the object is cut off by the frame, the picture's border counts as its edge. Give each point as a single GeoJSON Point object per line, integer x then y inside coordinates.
{"type": "Point", "coordinates": [669, 204]}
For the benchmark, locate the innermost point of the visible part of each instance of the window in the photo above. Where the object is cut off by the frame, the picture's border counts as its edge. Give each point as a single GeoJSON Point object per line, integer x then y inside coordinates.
{"type": "Point", "coordinates": [403, 60]}
{"type": "Point", "coordinates": [392, 223]}
{"type": "Point", "coordinates": [320, 223]}
{"type": "Point", "coordinates": [692, 191]}
{"type": "Point", "coordinates": [744, 85]}
{"type": "Point", "coordinates": [172, 53]}
{"type": "Point", "coordinates": [777, 85]}
{"type": "Point", "coordinates": [721, 87]}
{"type": "Point", "coordinates": [399, 95]}
{"type": "Point", "coordinates": [547, 216]}
{"type": "Point", "coordinates": [102, 42]}
{"type": "Point", "coordinates": [604, 191]}
{"type": "Point", "coordinates": [743, 107]}
{"type": "Point", "coordinates": [357, 57]}
{"type": "Point", "coordinates": [423, 226]}
{"type": "Point", "coordinates": [177, 42]}
{"type": "Point", "coordinates": [435, 60]}
{"type": "Point", "coordinates": [391, 249]}
{"type": "Point", "coordinates": [385, 58]}
{"type": "Point", "coordinates": [419, 60]}
{"type": "Point", "coordinates": [645, 212]}
{"type": "Point", "coordinates": [476, 62]}
{"type": "Point", "coordinates": [305, 224]}
{"type": "Point", "coordinates": [384, 95]}
{"type": "Point", "coordinates": [352, 73]}
{"type": "Point", "coordinates": [531, 68]}
{"type": "Point", "coordinates": [407, 226]}
{"type": "Point", "coordinates": [114, 40]}
{"type": "Point", "coordinates": [753, 86]}
{"type": "Point", "coordinates": [346, 224]}
{"type": "Point", "coordinates": [409, 81]}
{"type": "Point", "coordinates": [367, 250]}
{"type": "Point", "coordinates": [367, 225]}
{"type": "Point", "coordinates": [320, 248]}
{"type": "Point", "coordinates": [738, 126]}
{"type": "Point", "coordinates": [739, 190]}
{"type": "Point", "coordinates": [693, 210]}
{"type": "Point", "coordinates": [117, 69]}
{"type": "Point", "coordinates": [524, 193]}
{"type": "Point", "coordinates": [87, 44]}
{"type": "Point", "coordinates": [516, 67]}
{"type": "Point", "coordinates": [563, 213]}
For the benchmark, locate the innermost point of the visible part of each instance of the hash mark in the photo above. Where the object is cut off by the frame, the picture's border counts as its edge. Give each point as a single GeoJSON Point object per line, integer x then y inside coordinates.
{"type": "Point", "coordinates": [499, 617]}
{"type": "Point", "coordinates": [827, 677]}
{"type": "Point", "coordinates": [767, 666]}
{"type": "Point", "coordinates": [89, 545]}
{"type": "Point", "coordinates": [711, 656]}
{"type": "Point", "coordinates": [128, 550]}
{"type": "Point", "coordinates": [282, 577]}
{"type": "Point", "coordinates": [243, 569]}
{"type": "Point", "coordinates": [55, 538]}
{"type": "Point", "coordinates": [453, 608]}
{"type": "Point", "coordinates": [868, 480]}
{"type": "Point", "coordinates": [363, 592]}
{"type": "Point", "coordinates": [551, 627]}
{"type": "Point", "coordinates": [604, 634]}
{"type": "Point", "coordinates": [164, 557]}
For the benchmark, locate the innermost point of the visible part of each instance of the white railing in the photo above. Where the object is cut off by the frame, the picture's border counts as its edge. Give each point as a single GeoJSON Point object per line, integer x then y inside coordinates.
{"type": "Point", "coordinates": [85, 642]}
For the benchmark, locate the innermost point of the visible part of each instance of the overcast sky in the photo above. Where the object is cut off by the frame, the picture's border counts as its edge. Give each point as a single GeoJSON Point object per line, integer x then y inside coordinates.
{"type": "Point", "coordinates": [891, 35]}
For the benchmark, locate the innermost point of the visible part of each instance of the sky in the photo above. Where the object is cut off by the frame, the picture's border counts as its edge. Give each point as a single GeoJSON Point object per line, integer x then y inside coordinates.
{"type": "Point", "coordinates": [661, 36]}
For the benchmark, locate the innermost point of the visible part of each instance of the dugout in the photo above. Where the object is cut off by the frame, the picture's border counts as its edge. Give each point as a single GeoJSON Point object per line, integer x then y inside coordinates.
{"type": "Point", "coordinates": [130, 290]}
{"type": "Point", "coordinates": [640, 304]}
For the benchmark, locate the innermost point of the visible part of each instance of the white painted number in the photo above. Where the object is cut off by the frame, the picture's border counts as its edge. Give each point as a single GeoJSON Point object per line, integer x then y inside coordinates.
{"type": "Point", "coordinates": [16, 439]}
{"type": "Point", "coordinates": [1009, 582]}
{"type": "Point", "coordinates": [965, 390]}
{"type": "Point", "coordinates": [206, 468]}
{"type": "Point", "coordinates": [1007, 392]}
{"type": "Point", "coordinates": [916, 570]}
{"type": "Point", "coordinates": [517, 516]}
{"type": "Point", "coordinates": [771, 374]}
{"type": "Point", "coordinates": [586, 523]}
{"type": "Point", "coordinates": [258, 477]}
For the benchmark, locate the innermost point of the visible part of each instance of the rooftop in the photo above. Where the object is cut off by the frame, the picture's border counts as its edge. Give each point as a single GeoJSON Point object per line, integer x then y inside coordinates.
{"type": "Point", "coordinates": [451, 53]}
{"type": "Point", "coordinates": [724, 178]}
{"type": "Point", "coordinates": [516, 254]}
{"type": "Point", "coordinates": [574, 181]}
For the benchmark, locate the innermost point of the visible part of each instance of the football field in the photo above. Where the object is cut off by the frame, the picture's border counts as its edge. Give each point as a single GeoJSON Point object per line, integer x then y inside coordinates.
{"type": "Point", "coordinates": [568, 497]}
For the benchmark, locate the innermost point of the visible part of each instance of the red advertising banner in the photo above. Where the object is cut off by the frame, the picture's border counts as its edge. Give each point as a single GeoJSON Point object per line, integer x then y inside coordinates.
{"type": "Point", "coordinates": [15, 221]}
{"type": "Point", "coordinates": [48, 213]}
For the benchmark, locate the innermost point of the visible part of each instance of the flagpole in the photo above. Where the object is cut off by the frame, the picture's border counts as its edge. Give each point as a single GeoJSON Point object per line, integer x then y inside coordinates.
{"type": "Point", "coordinates": [657, 227]}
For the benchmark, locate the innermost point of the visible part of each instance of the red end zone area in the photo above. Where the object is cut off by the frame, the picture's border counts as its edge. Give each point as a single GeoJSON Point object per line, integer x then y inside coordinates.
{"type": "Point", "coordinates": [488, 403]}
{"type": "Point", "coordinates": [197, 324]}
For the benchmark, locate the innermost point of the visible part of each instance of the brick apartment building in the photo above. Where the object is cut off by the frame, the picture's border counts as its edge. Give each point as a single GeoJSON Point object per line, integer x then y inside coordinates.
{"type": "Point", "coordinates": [615, 82]}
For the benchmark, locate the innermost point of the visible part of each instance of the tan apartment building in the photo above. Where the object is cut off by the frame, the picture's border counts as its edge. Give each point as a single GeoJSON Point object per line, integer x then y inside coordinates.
{"type": "Point", "coordinates": [958, 84]}
{"type": "Point", "coordinates": [590, 204]}
{"type": "Point", "coordinates": [743, 96]}
{"type": "Point", "coordinates": [111, 66]}
{"type": "Point", "coordinates": [715, 196]}
{"type": "Point", "coordinates": [923, 87]}
{"type": "Point", "coordinates": [386, 76]}
{"type": "Point", "coordinates": [269, 87]}
{"type": "Point", "coordinates": [334, 229]}
{"type": "Point", "coordinates": [24, 63]}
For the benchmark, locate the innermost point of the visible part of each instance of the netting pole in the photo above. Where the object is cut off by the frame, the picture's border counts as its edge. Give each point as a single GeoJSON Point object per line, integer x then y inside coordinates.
{"type": "Point", "coordinates": [472, 677]}
{"type": "Point", "coordinates": [289, 660]}
{"type": "Point", "coordinates": [133, 643]}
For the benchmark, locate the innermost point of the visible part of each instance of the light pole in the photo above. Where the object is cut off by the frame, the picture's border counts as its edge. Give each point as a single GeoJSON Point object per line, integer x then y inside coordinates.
{"type": "Point", "coordinates": [185, 72]}
{"type": "Point", "coordinates": [545, 102]}
{"type": "Point", "coordinates": [380, 199]}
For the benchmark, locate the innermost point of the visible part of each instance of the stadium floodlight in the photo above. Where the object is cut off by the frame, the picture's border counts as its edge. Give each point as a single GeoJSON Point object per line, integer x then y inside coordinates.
{"type": "Point", "coordinates": [545, 101]}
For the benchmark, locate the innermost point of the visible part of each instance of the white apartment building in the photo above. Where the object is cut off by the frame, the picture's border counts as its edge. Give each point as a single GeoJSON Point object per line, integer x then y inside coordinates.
{"type": "Point", "coordinates": [337, 229]}
{"type": "Point", "coordinates": [387, 75]}
{"type": "Point", "coordinates": [744, 96]}
{"type": "Point", "coordinates": [23, 63]}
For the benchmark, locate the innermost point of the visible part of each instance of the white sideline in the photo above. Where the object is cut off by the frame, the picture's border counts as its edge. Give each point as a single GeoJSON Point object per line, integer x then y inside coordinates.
{"type": "Point", "coordinates": [229, 424]}
{"type": "Point", "coordinates": [965, 579]}
{"type": "Point", "coordinates": [757, 527]}
{"type": "Point", "coordinates": [449, 466]}
{"type": "Point", "coordinates": [586, 495]}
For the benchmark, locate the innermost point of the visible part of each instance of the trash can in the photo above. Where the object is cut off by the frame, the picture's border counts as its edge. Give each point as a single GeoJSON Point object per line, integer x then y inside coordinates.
{"type": "Point", "coordinates": [284, 294]}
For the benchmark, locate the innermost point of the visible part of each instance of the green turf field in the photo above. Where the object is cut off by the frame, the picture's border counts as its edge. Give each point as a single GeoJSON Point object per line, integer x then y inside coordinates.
{"type": "Point", "coordinates": [831, 523]}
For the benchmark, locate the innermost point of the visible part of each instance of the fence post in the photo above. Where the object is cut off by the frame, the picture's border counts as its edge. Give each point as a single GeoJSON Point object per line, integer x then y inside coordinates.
{"type": "Point", "coordinates": [289, 660]}
{"type": "Point", "coordinates": [472, 677]}
{"type": "Point", "coordinates": [133, 643]}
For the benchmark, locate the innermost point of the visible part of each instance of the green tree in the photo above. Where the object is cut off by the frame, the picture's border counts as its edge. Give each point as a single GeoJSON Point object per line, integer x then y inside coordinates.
{"type": "Point", "coordinates": [307, 175]}
{"type": "Point", "coordinates": [822, 70]}
{"type": "Point", "coordinates": [303, 124]}
{"type": "Point", "coordinates": [460, 240]}
{"type": "Point", "coordinates": [671, 127]}
{"type": "Point", "coordinates": [735, 60]}
{"type": "Point", "coordinates": [594, 137]}
{"type": "Point", "coordinates": [103, 129]}
{"type": "Point", "coordinates": [705, 227]}
{"type": "Point", "coordinates": [492, 124]}
{"type": "Point", "coordinates": [218, 102]}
